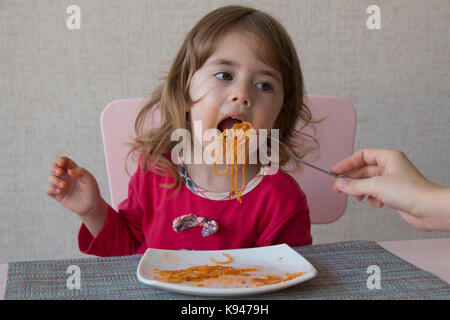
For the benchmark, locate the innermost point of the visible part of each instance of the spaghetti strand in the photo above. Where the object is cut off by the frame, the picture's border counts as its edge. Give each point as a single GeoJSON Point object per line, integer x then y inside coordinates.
{"type": "Point", "coordinates": [238, 137]}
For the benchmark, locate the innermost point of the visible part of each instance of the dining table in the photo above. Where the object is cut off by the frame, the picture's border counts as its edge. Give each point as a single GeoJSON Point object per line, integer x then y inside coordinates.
{"type": "Point", "coordinates": [350, 270]}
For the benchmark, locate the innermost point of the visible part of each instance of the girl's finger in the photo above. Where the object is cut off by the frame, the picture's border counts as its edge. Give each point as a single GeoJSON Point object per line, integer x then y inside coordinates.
{"type": "Point", "coordinates": [56, 170]}
{"type": "Point", "coordinates": [52, 191]}
{"type": "Point", "coordinates": [57, 182]}
{"type": "Point", "coordinates": [75, 173]}
{"type": "Point", "coordinates": [67, 163]}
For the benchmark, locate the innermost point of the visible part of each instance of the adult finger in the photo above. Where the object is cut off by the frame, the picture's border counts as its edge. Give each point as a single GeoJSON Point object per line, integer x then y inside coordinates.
{"type": "Point", "coordinates": [375, 202]}
{"type": "Point", "coordinates": [336, 189]}
{"type": "Point", "coordinates": [358, 187]}
{"type": "Point", "coordinates": [357, 160]}
{"type": "Point", "coordinates": [368, 171]}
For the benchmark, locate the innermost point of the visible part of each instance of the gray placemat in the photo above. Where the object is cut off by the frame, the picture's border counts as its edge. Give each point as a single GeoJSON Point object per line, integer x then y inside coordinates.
{"type": "Point", "coordinates": [342, 274]}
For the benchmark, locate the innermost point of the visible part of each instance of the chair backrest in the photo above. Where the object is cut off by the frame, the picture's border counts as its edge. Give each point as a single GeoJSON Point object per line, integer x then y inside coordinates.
{"type": "Point", "coordinates": [335, 134]}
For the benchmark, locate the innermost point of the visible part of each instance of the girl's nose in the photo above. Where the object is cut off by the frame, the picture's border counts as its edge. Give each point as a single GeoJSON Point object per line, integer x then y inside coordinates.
{"type": "Point", "coordinates": [242, 97]}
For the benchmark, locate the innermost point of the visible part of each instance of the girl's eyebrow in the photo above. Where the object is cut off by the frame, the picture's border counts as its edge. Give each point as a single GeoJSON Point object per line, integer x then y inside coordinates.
{"type": "Point", "coordinates": [235, 64]}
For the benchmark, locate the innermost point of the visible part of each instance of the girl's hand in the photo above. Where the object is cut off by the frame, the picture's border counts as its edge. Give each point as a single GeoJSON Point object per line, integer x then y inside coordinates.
{"type": "Point", "coordinates": [388, 177]}
{"type": "Point", "coordinates": [74, 187]}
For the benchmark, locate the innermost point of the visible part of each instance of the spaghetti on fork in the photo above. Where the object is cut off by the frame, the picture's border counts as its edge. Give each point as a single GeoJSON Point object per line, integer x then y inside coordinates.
{"type": "Point", "coordinates": [234, 139]}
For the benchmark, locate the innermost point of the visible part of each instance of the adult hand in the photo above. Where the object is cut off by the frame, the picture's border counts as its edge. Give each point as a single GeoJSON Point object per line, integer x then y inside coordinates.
{"type": "Point", "coordinates": [388, 177]}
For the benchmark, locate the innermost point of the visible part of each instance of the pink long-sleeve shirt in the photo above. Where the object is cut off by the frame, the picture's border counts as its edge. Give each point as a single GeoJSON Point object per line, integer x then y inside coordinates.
{"type": "Point", "coordinates": [274, 212]}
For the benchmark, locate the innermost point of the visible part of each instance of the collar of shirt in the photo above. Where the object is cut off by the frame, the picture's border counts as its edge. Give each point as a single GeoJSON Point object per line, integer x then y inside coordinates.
{"type": "Point", "coordinates": [190, 184]}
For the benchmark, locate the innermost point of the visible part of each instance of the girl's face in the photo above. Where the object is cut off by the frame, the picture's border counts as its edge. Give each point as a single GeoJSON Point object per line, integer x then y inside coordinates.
{"type": "Point", "coordinates": [233, 82]}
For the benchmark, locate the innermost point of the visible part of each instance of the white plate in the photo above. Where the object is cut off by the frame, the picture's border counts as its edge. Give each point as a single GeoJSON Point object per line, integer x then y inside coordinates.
{"type": "Point", "coordinates": [271, 260]}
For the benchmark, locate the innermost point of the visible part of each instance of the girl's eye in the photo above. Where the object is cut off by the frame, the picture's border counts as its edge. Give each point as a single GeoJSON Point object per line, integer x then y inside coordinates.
{"type": "Point", "coordinates": [224, 76]}
{"type": "Point", "coordinates": [265, 86]}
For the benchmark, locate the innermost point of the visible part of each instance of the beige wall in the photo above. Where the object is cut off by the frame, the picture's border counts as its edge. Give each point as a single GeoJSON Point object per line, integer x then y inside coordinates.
{"type": "Point", "coordinates": [55, 82]}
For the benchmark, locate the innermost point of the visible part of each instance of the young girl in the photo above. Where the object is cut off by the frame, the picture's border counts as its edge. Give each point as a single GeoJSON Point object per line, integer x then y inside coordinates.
{"type": "Point", "coordinates": [236, 65]}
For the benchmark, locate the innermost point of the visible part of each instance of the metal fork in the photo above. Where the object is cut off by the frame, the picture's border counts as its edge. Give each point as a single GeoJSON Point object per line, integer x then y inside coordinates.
{"type": "Point", "coordinates": [303, 161]}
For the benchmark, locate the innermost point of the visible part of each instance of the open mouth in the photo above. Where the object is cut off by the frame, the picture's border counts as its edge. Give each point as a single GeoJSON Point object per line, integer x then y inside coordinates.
{"type": "Point", "coordinates": [228, 123]}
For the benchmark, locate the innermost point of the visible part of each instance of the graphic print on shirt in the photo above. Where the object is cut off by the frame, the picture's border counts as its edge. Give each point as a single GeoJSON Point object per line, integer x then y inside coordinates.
{"type": "Point", "coordinates": [209, 226]}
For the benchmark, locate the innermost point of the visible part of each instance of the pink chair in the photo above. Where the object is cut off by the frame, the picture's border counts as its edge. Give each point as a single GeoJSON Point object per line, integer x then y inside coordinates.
{"type": "Point", "coordinates": [335, 134]}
